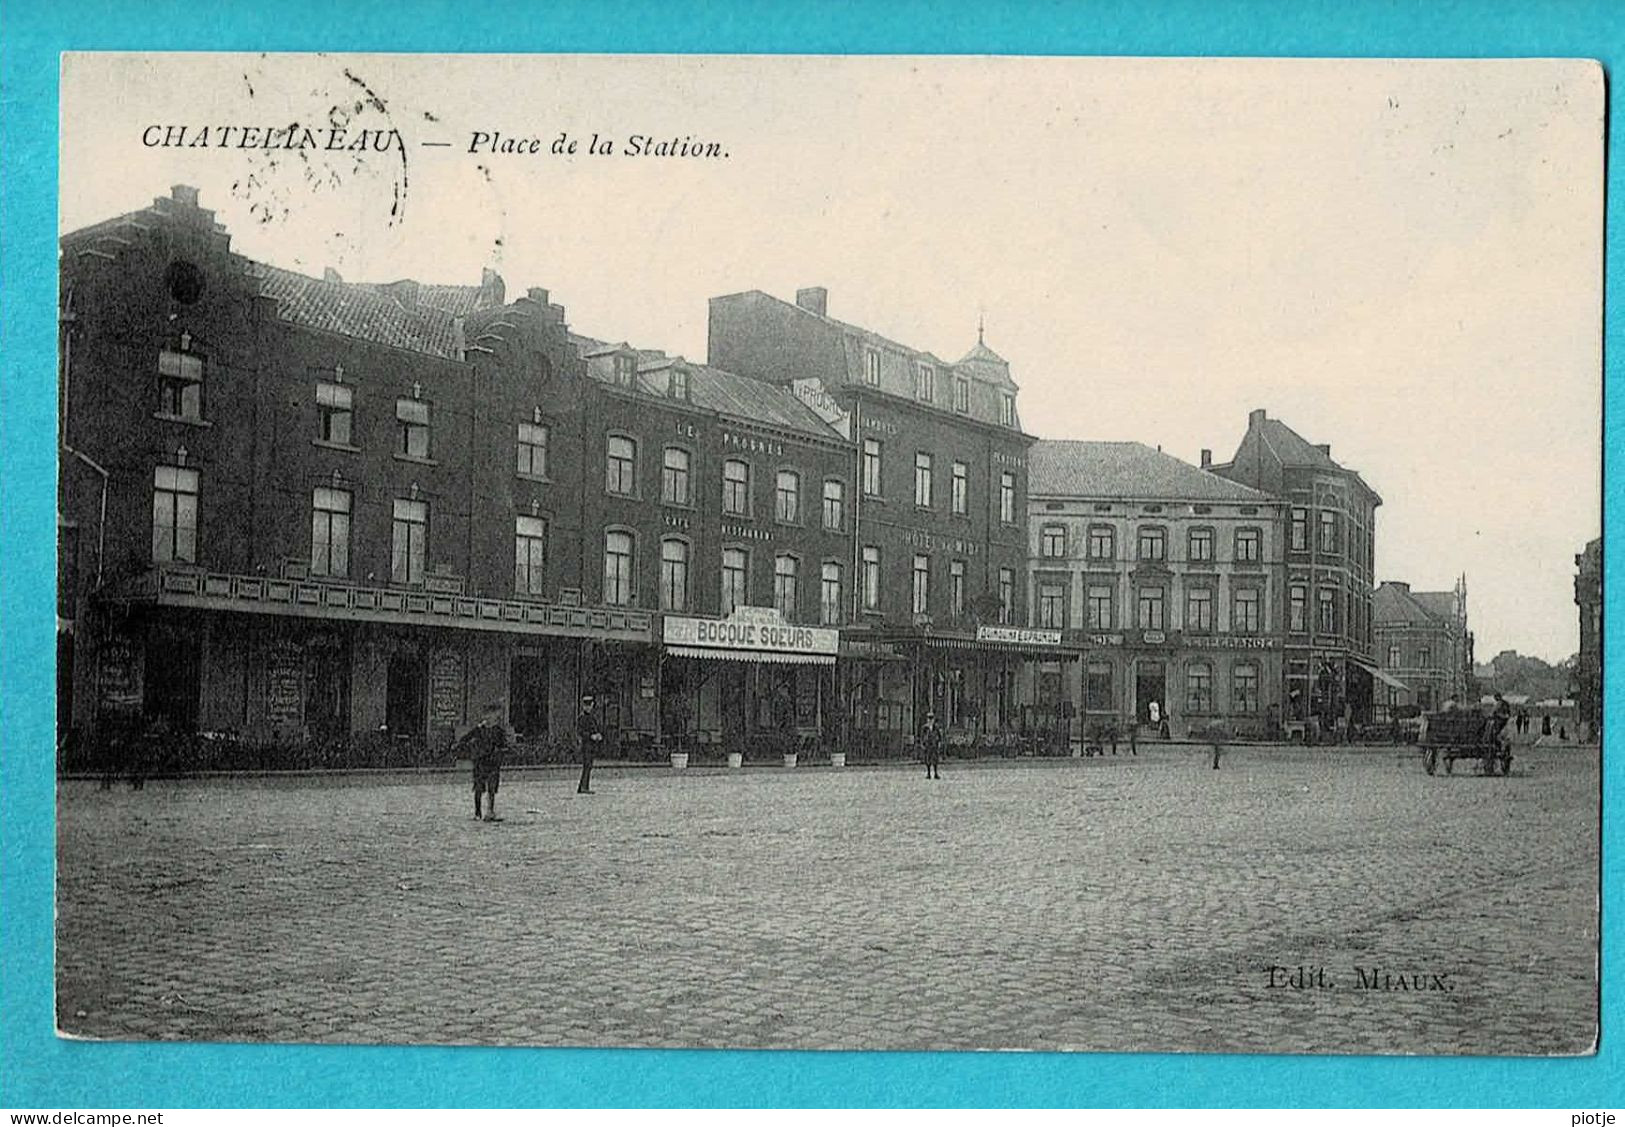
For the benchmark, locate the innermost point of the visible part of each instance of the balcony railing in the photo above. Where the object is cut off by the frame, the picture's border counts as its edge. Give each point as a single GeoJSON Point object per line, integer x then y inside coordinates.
{"type": "Point", "coordinates": [313, 598]}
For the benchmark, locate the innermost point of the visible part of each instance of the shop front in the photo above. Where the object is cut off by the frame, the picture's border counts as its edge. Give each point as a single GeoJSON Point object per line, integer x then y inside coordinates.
{"type": "Point", "coordinates": [751, 683]}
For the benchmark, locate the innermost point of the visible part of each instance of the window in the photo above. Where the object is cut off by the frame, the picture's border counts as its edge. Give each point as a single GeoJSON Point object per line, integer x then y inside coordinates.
{"type": "Point", "coordinates": [673, 575]}
{"type": "Point", "coordinates": [617, 568]}
{"type": "Point", "coordinates": [1097, 687]}
{"type": "Point", "coordinates": [787, 497]}
{"type": "Point", "coordinates": [674, 476]}
{"type": "Point", "coordinates": [1328, 612]}
{"type": "Point", "coordinates": [335, 413]}
{"type": "Point", "coordinates": [678, 385]}
{"type": "Point", "coordinates": [834, 505]}
{"type": "Point", "coordinates": [412, 419]}
{"type": "Point", "coordinates": [925, 383]}
{"type": "Point", "coordinates": [1393, 656]}
{"type": "Point", "coordinates": [922, 584]}
{"type": "Point", "coordinates": [1007, 409]}
{"type": "Point", "coordinates": [1102, 542]}
{"type": "Point", "coordinates": [1150, 608]}
{"type": "Point", "coordinates": [735, 579]}
{"type": "Point", "coordinates": [532, 457]}
{"type": "Point", "coordinates": [1297, 609]}
{"type": "Point", "coordinates": [1424, 658]}
{"type": "Point", "coordinates": [1100, 606]}
{"type": "Point", "coordinates": [626, 368]}
{"type": "Point", "coordinates": [409, 536]}
{"type": "Point", "coordinates": [1007, 595]}
{"type": "Point", "coordinates": [922, 480]}
{"type": "Point", "coordinates": [1007, 498]}
{"type": "Point", "coordinates": [1328, 531]}
{"type": "Point", "coordinates": [1244, 688]}
{"type": "Point", "coordinates": [1199, 687]}
{"type": "Point", "coordinates": [829, 595]}
{"type": "Point", "coordinates": [871, 367]}
{"type": "Point", "coordinates": [529, 555]}
{"type": "Point", "coordinates": [784, 586]}
{"type": "Point", "coordinates": [871, 467]}
{"type": "Point", "coordinates": [956, 588]}
{"type": "Point", "coordinates": [1201, 545]}
{"type": "Point", "coordinates": [1051, 605]}
{"type": "Point", "coordinates": [1244, 610]}
{"type": "Point", "coordinates": [1249, 544]}
{"type": "Point", "coordinates": [871, 577]}
{"type": "Point", "coordinates": [620, 468]}
{"type": "Point", "coordinates": [1153, 543]}
{"type": "Point", "coordinates": [959, 494]}
{"type": "Point", "coordinates": [962, 395]}
{"type": "Point", "coordinates": [330, 532]}
{"type": "Point", "coordinates": [180, 384]}
{"type": "Point", "coordinates": [1052, 541]}
{"type": "Point", "coordinates": [1300, 530]}
{"type": "Point", "coordinates": [1199, 609]}
{"type": "Point", "coordinates": [174, 515]}
{"type": "Point", "coordinates": [736, 488]}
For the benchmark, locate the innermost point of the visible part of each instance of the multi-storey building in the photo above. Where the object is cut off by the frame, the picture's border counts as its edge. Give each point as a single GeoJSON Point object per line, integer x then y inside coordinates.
{"type": "Point", "coordinates": [723, 503]}
{"type": "Point", "coordinates": [1169, 579]}
{"type": "Point", "coordinates": [298, 510]}
{"type": "Point", "coordinates": [939, 513]}
{"type": "Point", "coordinates": [1423, 645]}
{"type": "Point", "coordinates": [1588, 598]}
{"type": "Point", "coordinates": [1331, 522]}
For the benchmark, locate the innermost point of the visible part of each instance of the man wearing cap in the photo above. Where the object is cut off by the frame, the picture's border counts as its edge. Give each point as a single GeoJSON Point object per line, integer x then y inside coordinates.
{"type": "Point", "coordinates": [486, 744]}
{"type": "Point", "coordinates": [589, 737]}
{"type": "Point", "coordinates": [931, 746]}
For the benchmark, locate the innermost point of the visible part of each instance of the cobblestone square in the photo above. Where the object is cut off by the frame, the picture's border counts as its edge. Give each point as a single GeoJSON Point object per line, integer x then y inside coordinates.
{"type": "Point", "coordinates": [1117, 904]}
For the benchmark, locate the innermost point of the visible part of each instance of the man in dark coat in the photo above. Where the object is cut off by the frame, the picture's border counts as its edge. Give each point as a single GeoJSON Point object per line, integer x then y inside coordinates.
{"type": "Point", "coordinates": [486, 744]}
{"type": "Point", "coordinates": [931, 746]}
{"type": "Point", "coordinates": [590, 738]}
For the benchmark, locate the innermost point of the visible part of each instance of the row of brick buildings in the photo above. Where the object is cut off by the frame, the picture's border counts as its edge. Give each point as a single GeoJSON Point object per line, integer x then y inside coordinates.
{"type": "Point", "coordinates": [303, 511]}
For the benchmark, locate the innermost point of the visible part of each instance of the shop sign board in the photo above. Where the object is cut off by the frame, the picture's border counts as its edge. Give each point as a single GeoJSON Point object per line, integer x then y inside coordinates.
{"type": "Point", "coordinates": [760, 629]}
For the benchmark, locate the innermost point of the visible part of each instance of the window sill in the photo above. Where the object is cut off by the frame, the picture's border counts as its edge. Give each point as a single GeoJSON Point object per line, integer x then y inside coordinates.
{"type": "Point", "coordinates": [679, 505]}
{"type": "Point", "coordinates": [539, 479]}
{"type": "Point", "coordinates": [623, 496]}
{"type": "Point", "coordinates": [874, 498]}
{"type": "Point", "coordinates": [787, 523]}
{"type": "Point", "coordinates": [344, 446]}
{"type": "Point", "coordinates": [413, 459]}
{"type": "Point", "coordinates": [164, 416]}
{"type": "Point", "coordinates": [726, 515]}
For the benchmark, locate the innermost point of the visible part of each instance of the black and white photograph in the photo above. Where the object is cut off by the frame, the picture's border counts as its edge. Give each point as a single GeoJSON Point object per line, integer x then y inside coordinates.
{"type": "Point", "coordinates": [830, 552]}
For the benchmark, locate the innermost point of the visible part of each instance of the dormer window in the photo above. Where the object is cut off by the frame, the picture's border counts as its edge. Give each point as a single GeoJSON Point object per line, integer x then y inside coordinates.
{"type": "Point", "coordinates": [925, 383]}
{"type": "Point", "coordinates": [962, 395]}
{"type": "Point", "coordinates": [679, 383]}
{"type": "Point", "coordinates": [1007, 410]}
{"type": "Point", "coordinates": [625, 369]}
{"type": "Point", "coordinates": [871, 367]}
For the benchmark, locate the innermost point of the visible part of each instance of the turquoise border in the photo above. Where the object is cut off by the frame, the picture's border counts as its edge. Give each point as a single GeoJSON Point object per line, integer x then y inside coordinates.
{"type": "Point", "coordinates": [40, 1071]}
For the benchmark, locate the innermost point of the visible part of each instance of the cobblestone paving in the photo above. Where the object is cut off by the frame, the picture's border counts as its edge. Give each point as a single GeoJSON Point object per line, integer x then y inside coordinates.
{"type": "Point", "coordinates": [1116, 904]}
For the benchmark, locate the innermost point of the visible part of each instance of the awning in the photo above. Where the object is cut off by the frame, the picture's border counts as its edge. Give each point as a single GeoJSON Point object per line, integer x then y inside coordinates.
{"type": "Point", "coordinates": [770, 657]}
{"type": "Point", "coordinates": [1015, 649]}
{"type": "Point", "coordinates": [1386, 678]}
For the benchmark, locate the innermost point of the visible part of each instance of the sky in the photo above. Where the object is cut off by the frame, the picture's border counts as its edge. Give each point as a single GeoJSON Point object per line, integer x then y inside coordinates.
{"type": "Point", "coordinates": [1400, 258]}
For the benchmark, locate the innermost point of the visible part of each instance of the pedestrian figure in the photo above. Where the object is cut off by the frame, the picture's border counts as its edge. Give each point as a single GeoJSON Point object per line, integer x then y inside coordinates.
{"type": "Point", "coordinates": [1133, 740]}
{"type": "Point", "coordinates": [1215, 755]}
{"type": "Point", "coordinates": [589, 737]}
{"type": "Point", "coordinates": [1546, 725]}
{"type": "Point", "coordinates": [486, 744]}
{"type": "Point", "coordinates": [1154, 711]}
{"type": "Point", "coordinates": [147, 751]}
{"type": "Point", "coordinates": [1563, 732]}
{"type": "Point", "coordinates": [931, 746]}
{"type": "Point", "coordinates": [1499, 717]}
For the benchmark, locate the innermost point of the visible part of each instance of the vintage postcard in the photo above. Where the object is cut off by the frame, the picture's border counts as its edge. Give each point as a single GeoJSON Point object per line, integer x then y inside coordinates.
{"type": "Point", "coordinates": [830, 552]}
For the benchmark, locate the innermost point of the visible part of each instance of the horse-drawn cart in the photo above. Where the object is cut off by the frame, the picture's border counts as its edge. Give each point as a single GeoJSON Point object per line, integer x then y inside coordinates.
{"type": "Point", "coordinates": [1450, 736]}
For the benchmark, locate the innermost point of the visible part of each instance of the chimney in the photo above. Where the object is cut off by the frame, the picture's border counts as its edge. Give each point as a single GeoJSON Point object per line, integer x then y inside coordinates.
{"type": "Point", "coordinates": [492, 289]}
{"type": "Point", "coordinates": [814, 299]}
{"type": "Point", "coordinates": [1397, 585]}
{"type": "Point", "coordinates": [1255, 416]}
{"type": "Point", "coordinates": [184, 193]}
{"type": "Point", "coordinates": [1325, 448]}
{"type": "Point", "coordinates": [1207, 457]}
{"type": "Point", "coordinates": [330, 275]}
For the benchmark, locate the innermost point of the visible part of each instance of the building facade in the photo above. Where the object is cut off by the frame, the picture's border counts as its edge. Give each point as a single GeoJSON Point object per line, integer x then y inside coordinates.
{"type": "Point", "coordinates": [1329, 551]}
{"type": "Point", "coordinates": [939, 538]}
{"type": "Point", "coordinates": [1168, 578]}
{"type": "Point", "coordinates": [1588, 671]}
{"type": "Point", "coordinates": [304, 513]}
{"type": "Point", "coordinates": [1424, 647]}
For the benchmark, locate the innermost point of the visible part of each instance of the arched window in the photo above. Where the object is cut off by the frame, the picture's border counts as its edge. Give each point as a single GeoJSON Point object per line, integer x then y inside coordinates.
{"type": "Point", "coordinates": [617, 568]}
{"type": "Point", "coordinates": [673, 575]}
{"type": "Point", "coordinates": [829, 594]}
{"type": "Point", "coordinates": [736, 488]}
{"type": "Point", "coordinates": [787, 497]}
{"type": "Point", "coordinates": [784, 586]}
{"type": "Point", "coordinates": [674, 476]}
